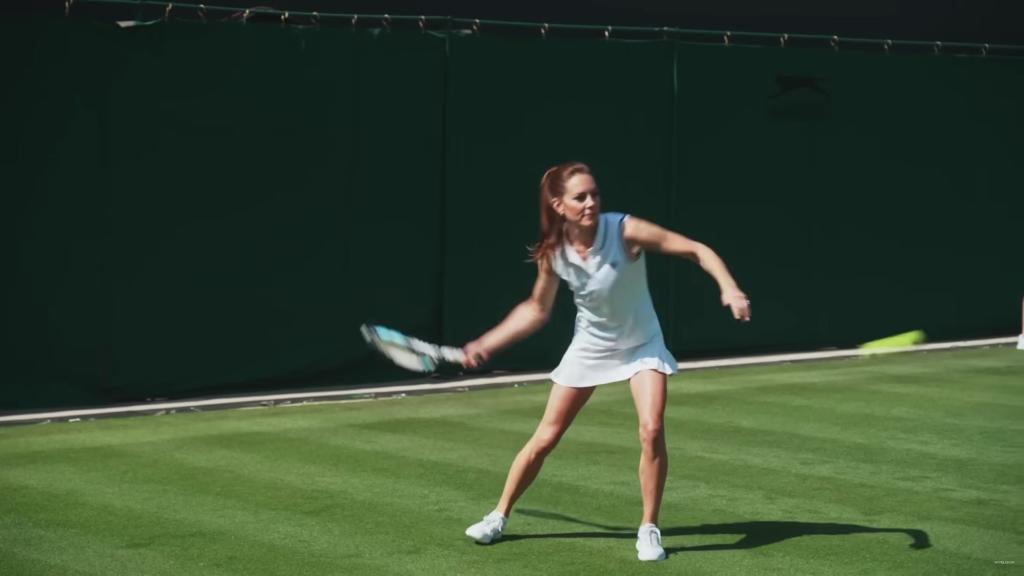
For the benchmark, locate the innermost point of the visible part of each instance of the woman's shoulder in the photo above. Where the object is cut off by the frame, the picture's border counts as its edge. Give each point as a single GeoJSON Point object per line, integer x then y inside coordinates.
{"type": "Point", "coordinates": [555, 260]}
{"type": "Point", "coordinates": [614, 217]}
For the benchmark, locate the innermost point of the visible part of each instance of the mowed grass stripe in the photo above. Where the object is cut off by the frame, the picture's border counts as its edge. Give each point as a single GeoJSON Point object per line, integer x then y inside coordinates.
{"type": "Point", "coordinates": [936, 395]}
{"type": "Point", "coordinates": [940, 439]}
{"type": "Point", "coordinates": [813, 441]}
{"type": "Point", "coordinates": [477, 477]}
{"type": "Point", "coordinates": [30, 558]}
{"type": "Point", "coordinates": [810, 490]}
{"type": "Point", "coordinates": [63, 548]}
{"type": "Point", "coordinates": [949, 388]}
{"type": "Point", "coordinates": [159, 511]}
{"type": "Point", "coordinates": [108, 535]}
{"type": "Point", "coordinates": [318, 418]}
{"type": "Point", "coordinates": [995, 368]}
{"type": "Point", "coordinates": [258, 470]}
{"type": "Point", "coordinates": [756, 482]}
{"type": "Point", "coordinates": [752, 484]}
{"type": "Point", "coordinates": [913, 413]}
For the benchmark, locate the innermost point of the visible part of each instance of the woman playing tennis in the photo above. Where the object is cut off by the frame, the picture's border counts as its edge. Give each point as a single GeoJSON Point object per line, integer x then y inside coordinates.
{"type": "Point", "coordinates": [617, 335]}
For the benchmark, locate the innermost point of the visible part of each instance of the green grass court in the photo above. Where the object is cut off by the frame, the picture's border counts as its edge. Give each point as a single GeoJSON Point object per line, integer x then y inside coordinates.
{"type": "Point", "coordinates": [902, 464]}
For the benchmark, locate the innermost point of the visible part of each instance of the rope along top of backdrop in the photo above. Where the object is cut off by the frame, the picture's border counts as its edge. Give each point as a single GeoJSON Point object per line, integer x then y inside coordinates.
{"type": "Point", "coordinates": [148, 12]}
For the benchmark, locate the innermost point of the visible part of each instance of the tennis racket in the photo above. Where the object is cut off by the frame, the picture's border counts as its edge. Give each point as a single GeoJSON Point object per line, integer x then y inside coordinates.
{"type": "Point", "coordinates": [407, 352]}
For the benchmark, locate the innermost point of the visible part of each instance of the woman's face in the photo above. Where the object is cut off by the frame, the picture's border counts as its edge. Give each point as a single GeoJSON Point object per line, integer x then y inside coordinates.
{"type": "Point", "coordinates": [581, 203]}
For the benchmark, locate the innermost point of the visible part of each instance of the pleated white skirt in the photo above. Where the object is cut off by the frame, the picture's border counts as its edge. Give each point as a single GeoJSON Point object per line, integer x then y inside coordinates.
{"type": "Point", "coordinates": [583, 367]}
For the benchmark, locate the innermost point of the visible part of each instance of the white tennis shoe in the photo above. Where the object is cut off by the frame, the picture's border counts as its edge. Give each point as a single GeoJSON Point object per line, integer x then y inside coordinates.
{"type": "Point", "coordinates": [648, 543]}
{"type": "Point", "coordinates": [489, 529]}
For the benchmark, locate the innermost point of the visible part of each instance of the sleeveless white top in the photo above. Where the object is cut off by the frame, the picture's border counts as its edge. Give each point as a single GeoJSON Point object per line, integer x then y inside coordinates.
{"type": "Point", "coordinates": [617, 333]}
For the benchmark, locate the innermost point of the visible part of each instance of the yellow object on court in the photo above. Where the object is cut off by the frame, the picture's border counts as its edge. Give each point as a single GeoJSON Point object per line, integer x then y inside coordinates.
{"type": "Point", "coordinates": [911, 338]}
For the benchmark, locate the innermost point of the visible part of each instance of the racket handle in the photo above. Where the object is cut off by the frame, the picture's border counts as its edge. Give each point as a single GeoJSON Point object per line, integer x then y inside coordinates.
{"type": "Point", "coordinates": [452, 354]}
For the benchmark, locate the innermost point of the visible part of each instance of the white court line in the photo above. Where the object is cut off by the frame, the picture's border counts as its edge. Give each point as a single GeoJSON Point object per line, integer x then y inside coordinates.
{"type": "Point", "coordinates": [490, 381]}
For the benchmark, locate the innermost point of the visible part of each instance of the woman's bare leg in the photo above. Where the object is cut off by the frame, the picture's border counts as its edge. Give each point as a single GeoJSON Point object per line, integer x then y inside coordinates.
{"type": "Point", "coordinates": [563, 405]}
{"type": "Point", "coordinates": [649, 391]}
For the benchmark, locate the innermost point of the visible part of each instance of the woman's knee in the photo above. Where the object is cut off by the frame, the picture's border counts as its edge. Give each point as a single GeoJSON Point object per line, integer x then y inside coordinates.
{"type": "Point", "coordinates": [652, 433]}
{"type": "Point", "coordinates": [545, 439]}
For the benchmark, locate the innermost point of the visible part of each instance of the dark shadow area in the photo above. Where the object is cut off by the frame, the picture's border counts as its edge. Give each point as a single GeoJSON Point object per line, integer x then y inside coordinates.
{"type": "Point", "coordinates": [752, 534]}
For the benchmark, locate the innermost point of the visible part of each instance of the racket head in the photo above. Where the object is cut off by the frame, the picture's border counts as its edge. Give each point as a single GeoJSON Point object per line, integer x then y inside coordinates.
{"type": "Point", "coordinates": [398, 348]}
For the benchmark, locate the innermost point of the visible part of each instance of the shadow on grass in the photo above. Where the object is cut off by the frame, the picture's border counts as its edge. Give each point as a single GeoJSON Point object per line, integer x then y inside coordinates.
{"type": "Point", "coordinates": [752, 534]}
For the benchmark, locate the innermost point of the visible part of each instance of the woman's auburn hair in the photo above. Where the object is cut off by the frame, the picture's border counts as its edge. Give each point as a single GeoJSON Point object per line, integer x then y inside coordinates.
{"type": "Point", "coordinates": [552, 186]}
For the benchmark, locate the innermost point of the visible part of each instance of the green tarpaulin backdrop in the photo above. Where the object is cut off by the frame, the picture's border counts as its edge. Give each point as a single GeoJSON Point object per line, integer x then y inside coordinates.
{"type": "Point", "coordinates": [213, 208]}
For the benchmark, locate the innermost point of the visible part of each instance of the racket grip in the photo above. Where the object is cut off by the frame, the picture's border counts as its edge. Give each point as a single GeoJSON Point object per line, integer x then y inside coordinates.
{"type": "Point", "coordinates": [452, 354]}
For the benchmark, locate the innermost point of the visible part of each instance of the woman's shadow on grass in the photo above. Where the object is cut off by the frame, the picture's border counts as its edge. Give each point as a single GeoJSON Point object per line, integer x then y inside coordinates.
{"type": "Point", "coordinates": [752, 534]}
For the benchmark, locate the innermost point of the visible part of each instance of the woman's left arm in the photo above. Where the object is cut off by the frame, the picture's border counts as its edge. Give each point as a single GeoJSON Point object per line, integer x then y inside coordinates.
{"type": "Point", "coordinates": [640, 233]}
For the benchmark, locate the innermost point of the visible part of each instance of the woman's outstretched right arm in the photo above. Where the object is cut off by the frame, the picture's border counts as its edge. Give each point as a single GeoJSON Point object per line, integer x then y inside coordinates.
{"type": "Point", "coordinates": [525, 319]}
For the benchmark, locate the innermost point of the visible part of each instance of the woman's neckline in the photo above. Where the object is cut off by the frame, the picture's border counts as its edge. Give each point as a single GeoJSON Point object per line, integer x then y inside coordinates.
{"type": "Point", "coordinates": [584, 255]}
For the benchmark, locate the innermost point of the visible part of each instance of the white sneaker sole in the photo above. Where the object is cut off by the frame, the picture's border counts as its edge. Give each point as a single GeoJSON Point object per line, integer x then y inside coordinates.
{"type": "Point", "coordinates": [657, 558]}
{"type": "Point", "coordinates": [483, 539]}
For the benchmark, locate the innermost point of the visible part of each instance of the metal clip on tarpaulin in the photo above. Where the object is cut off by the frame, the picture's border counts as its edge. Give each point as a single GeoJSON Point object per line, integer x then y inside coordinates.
{"type": "Point", "coordinates": [355, 20]}
{"type": "Point", "coordinates": [284, 18]}
{"type": "Point", "coordinates": [67, 7]}
{"type": "Point", "coordinates": [835, 43]}
{"type": "Point", "coordinates": [937, 48]}
{"type": "Point", "coordinates": [386, 22]}
{"type": "Point", "coordinates": [608, 33]}
{"type": "Point", "coordinates": [423, 23]}
{"type": "Point", "coordinates": [726, 37]}
{"type": "Point", "coordinates": [202, 12]}
{"type": "Point", "coordinates": [887, 45]}
{"type": "Point", "coordinates": [476, 27]}
{"type": "Point", "coordinates": [984, 50]}
{"type": "Point", "coordinates": [167, 11]}
{"type": "Point", "coordinates": [544, 31]}
{"type": "Point", "coordinates": [783, 39]}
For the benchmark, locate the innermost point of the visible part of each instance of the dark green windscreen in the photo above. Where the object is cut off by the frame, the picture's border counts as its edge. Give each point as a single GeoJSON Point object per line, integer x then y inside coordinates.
{"type": "Point", "coordinates": [856, 195]}
{"type": "Point", "coordinates": [197, 208]}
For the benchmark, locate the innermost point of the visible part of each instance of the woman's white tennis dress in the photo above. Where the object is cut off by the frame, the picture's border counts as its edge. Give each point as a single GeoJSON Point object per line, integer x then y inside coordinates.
{"type": "Point", "coordinates": [617, 332]}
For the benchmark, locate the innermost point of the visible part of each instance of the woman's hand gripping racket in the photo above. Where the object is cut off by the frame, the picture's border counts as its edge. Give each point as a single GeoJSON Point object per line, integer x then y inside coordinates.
{"type": "Point", "coordinates": [410, 353]}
